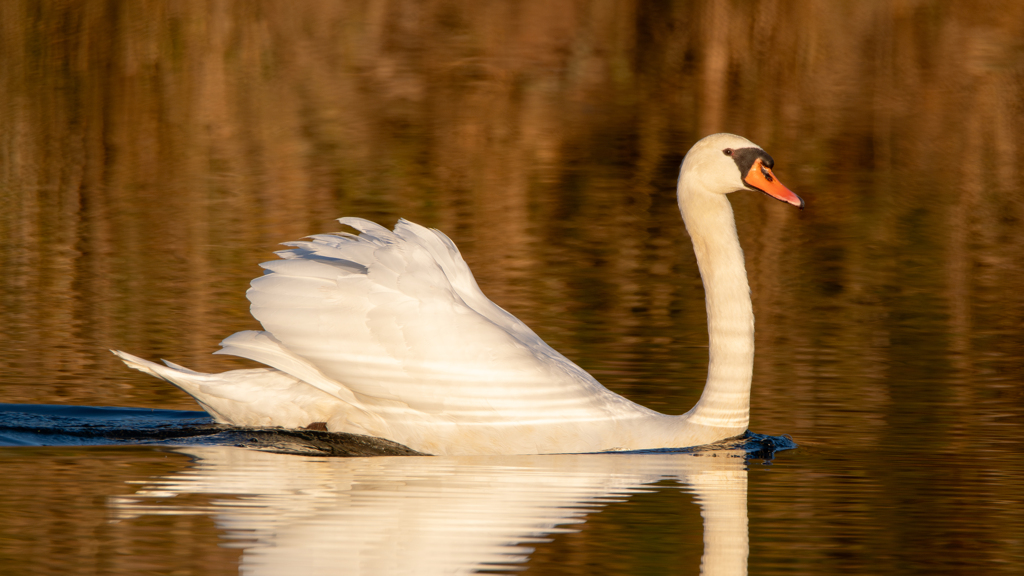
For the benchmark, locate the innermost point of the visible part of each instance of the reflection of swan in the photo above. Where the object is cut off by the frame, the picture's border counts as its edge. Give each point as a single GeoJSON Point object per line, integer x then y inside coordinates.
{"type": "Point", "coordinates": [442, 515]}
{"type": "Point", "coordinates": [388, 334]}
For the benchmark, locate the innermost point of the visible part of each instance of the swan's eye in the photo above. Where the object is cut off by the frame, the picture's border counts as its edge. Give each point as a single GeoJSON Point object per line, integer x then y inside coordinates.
{"type": "Point", "coordinates": [727, 151]}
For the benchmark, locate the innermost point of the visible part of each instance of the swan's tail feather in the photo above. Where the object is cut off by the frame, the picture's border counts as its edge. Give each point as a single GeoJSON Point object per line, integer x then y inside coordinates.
{"type": "Point", "coordinates": [189, 381]}
{"type": "Point", "coordinates": [252, 397]}
{"type": "Point", "coordinates": [153, 369]}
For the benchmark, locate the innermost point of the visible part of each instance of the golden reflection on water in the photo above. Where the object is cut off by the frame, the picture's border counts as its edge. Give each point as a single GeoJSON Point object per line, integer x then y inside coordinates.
{"type": "Point", "coordinates": [152, 153]}
{"type": "Point", "coordinates": [54, 517]}
{"type": "Point", "coordinates": [411, 515]}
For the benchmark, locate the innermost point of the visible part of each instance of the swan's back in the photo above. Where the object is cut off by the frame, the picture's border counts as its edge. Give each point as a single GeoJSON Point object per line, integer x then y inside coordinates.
{"type": "Point", "coordinates": [394, 323]}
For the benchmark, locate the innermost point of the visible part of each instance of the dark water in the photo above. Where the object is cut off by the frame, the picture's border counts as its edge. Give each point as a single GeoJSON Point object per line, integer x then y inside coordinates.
{"type": "Point", "coordinates": [151, 154]}
{"type": "Point", "coordinates": [49, 425]}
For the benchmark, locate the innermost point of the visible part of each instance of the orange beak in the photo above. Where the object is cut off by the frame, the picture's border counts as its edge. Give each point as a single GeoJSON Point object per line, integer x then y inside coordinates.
{"type": "Point", "coordinates": [761, 178]}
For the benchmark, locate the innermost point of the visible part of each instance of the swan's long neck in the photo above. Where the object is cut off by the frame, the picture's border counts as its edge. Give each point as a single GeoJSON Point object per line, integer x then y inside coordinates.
{"type": "Point", "coordinates": [725, 402]}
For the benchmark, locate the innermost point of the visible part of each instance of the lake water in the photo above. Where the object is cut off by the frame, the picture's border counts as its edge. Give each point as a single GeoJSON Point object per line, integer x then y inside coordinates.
{"type": "Point", "coordinates": [151, 154]}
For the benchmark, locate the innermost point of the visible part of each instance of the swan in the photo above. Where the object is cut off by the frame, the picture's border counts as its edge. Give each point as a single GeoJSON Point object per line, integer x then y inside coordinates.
{"type": "Point", "coordinates": [386, 333]}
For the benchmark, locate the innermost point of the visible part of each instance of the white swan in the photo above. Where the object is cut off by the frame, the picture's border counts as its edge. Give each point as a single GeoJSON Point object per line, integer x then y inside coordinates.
{"type": "Point", "coordinates": [387, 334]}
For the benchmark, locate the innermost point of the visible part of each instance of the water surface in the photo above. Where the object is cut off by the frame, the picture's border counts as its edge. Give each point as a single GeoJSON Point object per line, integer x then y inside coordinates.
{"type": "Point", "coordinates": [152, 154]}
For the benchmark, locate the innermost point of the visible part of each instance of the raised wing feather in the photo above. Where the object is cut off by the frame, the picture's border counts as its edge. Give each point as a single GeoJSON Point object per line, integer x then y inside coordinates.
{"type": "Point", "coordinates": [396, 319]}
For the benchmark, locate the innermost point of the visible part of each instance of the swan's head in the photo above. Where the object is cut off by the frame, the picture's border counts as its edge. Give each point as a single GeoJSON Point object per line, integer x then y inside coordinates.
{"type": "Point", "coordinates": [724, 163]}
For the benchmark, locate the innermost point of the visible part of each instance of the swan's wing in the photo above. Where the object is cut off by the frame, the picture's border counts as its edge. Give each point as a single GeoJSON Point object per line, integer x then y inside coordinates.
{"type": "Point", "coordinates": [397, 320]}
{"type": "Point", "coordinates": [457, 272]}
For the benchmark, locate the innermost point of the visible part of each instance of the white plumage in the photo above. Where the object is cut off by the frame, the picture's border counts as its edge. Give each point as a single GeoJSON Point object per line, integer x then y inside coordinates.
{"type": "Point", "coordinates": [386, 333]}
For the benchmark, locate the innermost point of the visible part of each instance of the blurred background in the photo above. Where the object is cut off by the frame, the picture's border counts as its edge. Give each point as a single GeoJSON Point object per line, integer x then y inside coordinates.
{"type": "Point", "coordinates": [153, 153]}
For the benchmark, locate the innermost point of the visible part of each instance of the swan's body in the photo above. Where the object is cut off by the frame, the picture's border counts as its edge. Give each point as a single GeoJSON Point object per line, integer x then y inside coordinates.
{"type": "Point", "coordinates": [387, 334]}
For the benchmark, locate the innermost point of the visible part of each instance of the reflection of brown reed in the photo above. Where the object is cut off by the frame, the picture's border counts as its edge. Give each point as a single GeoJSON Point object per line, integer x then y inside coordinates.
{"type": "Point", "coordinates": [68, 523]}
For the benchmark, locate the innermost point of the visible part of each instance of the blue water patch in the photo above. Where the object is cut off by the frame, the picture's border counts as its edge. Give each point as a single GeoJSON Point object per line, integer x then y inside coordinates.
{"type": "Point", "coordinates": [57, 425]}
